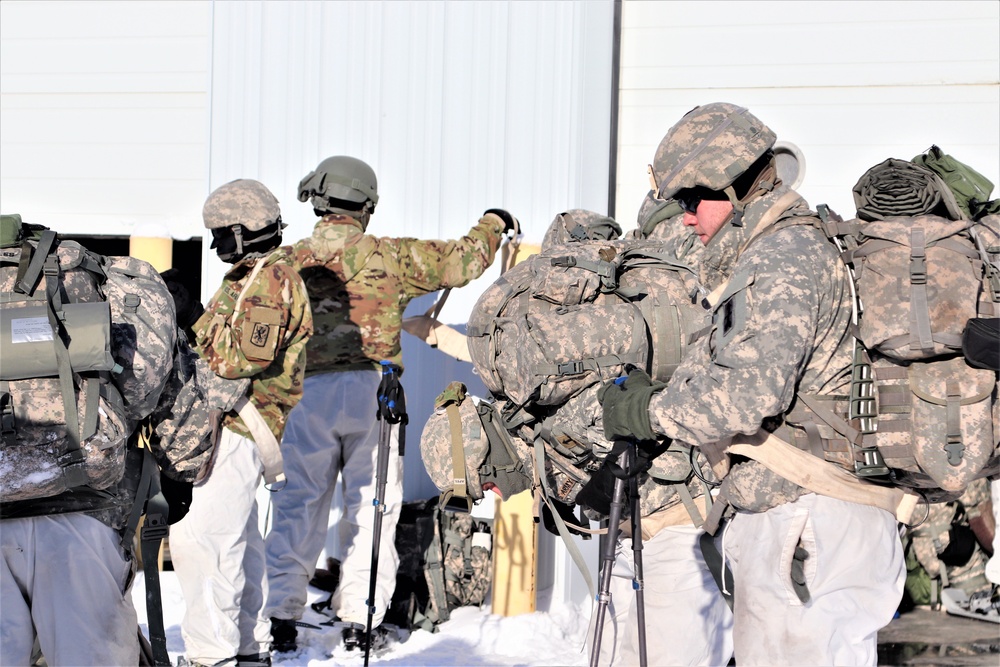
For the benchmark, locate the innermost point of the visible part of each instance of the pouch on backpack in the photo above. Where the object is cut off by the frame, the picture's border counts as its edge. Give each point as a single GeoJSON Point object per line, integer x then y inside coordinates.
{"type": "Point", "coordinates": [935, 418]}
{"type": "Point", "coordinates": [981, 343]}
{"type": "Point", "coordinates": [27, 339]}
{"type": "Point", "coordinates": [919, 280]}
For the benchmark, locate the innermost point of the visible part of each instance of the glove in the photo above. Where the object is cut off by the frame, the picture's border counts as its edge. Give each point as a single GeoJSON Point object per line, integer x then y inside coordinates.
{"type": "Point", "coordinates": [626, 406]}
{"type": "Point", "coordinates": [798, 574]}
{"type": "Point", "coordinates": [509, 221]}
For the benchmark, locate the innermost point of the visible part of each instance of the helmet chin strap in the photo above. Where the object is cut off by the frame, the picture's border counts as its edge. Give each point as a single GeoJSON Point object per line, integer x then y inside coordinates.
{"type": "Point", "coordinates": [238, 233]}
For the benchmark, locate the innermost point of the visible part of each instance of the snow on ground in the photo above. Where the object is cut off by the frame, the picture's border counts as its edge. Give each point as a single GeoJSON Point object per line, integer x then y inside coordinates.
{"type": "Point", "coordinates": [473, 636]}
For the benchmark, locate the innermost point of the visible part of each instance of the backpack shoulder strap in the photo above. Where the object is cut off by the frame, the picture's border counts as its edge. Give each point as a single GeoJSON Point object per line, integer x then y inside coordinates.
{"type": "Point", "coordinates": [28, 280]}
{"type": "Point", "coordinates": [437, 607]}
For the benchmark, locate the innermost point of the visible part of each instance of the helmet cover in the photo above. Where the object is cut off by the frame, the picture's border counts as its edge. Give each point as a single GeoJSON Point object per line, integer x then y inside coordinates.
{"type": "Point", "coordinates": [579, 224]}
{"type": "Point", "coordinates": [241, 202]}
{"type": "Point", "coordinates": [711, 146]}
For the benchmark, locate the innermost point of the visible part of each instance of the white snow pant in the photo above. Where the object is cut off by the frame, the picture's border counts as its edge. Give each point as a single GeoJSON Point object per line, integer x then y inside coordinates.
{"type": "Point", "coordinates": [687, 620]}
{"type": "Point", "coordinates": [854, 573]}
{"type": "Point", "coordinates": [65, 579]}
{"type": "Point", "coordinates": [333, 432]}
{"type": "Point", "coordinates": [218, 555]}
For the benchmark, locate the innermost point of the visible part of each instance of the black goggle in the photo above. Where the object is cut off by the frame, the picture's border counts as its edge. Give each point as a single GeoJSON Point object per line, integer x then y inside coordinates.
{"type": "Point", "coordinates": [690, 199]}
{"type": "Point", "coordinates": [451, 503]}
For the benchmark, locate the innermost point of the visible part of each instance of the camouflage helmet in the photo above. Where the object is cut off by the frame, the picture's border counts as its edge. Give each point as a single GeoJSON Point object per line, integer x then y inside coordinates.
{"type": "Point", "coordinates": [343, 178]}
{"type": "Point", "coordinates": [241, 202]}
{"type": "Point", "coordinates": [453, 444]}
{"type": "Point", "coordinates": [464, 445]}
{"type": "Point", "coordinates": [578, 224]}
{"type": "Point", "coordinates": [711, 146]}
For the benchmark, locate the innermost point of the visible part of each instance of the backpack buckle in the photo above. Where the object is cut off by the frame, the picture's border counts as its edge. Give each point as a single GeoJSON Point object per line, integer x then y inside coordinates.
{"type": "Point", "coordinates": [155, 527]}
{"type": "Point", "coordinates": [918, 270]}
{"type": "Point", "coordinates": [570, 368]}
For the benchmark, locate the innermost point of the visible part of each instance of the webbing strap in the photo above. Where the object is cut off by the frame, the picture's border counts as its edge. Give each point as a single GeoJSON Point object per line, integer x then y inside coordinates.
{"type": "Point", "coordinates": [457, 451]}
{"type": "Point", "coordinates": [27, 282]}
{"type": "Point", "coordinates": [685, 496]}
{"type": "Point", "coordinates": [434, 575]}
{"type": "Point", "coordinates": [90, 410]}
{"type": "Point", "coordinates": [606, 271]}
{"type": "Point", "coordinates": [70, 462]}
{"type": "Point", "coordinates": [920, 320]}
{"type": "Point", "coordinates": [153, 531]}
{"type": "Point", "coordinates": [263, 437]}
{"type": "Point", "coordinates": [953, 424]}
{"type": "Point", "coordinates": [577, 366]}
{"type": "Point", "coordinates": [991, 269]}
{"type": "Point", "coordinates": [836, 422]}
{"type": "Point", "coordinates": [571, 547]}
{"type": "Point", "coordinates": [820, 477]}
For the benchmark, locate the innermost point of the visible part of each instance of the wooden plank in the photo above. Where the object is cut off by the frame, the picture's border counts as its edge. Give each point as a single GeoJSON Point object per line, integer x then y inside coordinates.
{"type": "Point", "coordinates": [515, 556]}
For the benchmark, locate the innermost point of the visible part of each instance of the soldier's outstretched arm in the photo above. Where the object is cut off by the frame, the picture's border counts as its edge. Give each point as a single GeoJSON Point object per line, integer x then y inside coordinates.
{"type": "Point", "coordinates": [430, 265]}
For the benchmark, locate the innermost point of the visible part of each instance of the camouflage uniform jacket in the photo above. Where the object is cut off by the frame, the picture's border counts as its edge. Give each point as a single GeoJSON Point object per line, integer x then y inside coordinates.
{"type": "Point", "coordinates": [256, 326]}
{"type": "Point", "coordinates": [360, 285]}
{"type": "Point", "coordinates": [781, 327]}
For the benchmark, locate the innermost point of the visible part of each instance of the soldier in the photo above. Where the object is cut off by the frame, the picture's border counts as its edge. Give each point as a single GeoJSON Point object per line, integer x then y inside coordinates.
{"type": "Point", "coordinates": [674, 574]}
{"type": "Point", "coordinates": [815, 577]}
{"type": "Point", "coordinates": [359, 286]}
{"type": "Point", "coordinates": [255, 326]}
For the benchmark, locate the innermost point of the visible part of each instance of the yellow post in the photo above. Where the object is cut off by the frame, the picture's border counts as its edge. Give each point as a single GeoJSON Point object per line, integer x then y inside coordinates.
{"type": "Point", "coordinates": [515, 556]}
{"type": "Point", "coordinates": [152, 243]}
{"type": "Point", "coordinates": [515, 539]}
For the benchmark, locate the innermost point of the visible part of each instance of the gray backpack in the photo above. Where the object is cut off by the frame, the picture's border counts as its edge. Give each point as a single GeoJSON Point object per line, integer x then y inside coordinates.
{"type": "Point", "coordinates": [579, 314]}
{"type": "Point", "coordinates": [87, 346]}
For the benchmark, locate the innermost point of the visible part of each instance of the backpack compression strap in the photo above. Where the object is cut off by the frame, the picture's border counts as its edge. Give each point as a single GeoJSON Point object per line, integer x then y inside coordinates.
{"type": "Point", "coordinates": [43, 260]}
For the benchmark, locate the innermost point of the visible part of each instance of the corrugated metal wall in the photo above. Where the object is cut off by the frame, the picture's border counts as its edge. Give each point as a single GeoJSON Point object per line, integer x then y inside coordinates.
{"type": "Point", "coordinates": [457, 106]}
{"type": "Point", "coordinates": [119, 113]}
{"type": "Point", "coordinates": [104, 114]}
{"type": "Point", "coordinates": [850, 83]}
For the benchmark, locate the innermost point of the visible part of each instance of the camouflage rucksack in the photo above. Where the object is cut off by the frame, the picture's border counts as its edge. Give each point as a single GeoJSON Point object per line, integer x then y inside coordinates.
{"type": "Point", "coordinates": [921, 272]}
{"type": "Point", "coordinates": [578, 314]}
{"type": "Point", "coordinates": [184, 429]}
{"type": "Point", "coordinates": [87, 346]}
{"type": "Point", "coordinates": [445, 562]}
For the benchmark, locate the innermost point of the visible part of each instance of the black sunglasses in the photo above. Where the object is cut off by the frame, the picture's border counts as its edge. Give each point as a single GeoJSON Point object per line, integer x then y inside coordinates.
{"type": "Point", "coordinates": [691, 198]}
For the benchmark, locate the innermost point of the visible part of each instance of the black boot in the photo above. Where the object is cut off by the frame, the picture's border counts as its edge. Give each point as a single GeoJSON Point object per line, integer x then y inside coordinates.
{"type": "Point", "coordinates": [283, 635]}
{"type": "Point", "coordinates": [354, 637]}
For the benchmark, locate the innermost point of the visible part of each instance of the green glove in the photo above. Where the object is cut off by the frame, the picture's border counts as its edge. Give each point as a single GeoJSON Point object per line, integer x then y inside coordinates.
{"type": "Point", "coordinates": [626, 406]}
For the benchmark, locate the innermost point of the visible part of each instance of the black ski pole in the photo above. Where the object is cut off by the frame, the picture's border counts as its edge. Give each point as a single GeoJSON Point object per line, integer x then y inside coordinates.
{"type": "Point", "coordinates": [608, 559]}
{"type": "Point", "coordinates": [391, 410]}
{"type": "Point", "coordinates": [637, 581]}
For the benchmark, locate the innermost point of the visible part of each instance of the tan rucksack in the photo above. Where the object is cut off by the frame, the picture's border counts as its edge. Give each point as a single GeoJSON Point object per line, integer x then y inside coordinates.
{"type": "Point", "coordinates": [927, 417]}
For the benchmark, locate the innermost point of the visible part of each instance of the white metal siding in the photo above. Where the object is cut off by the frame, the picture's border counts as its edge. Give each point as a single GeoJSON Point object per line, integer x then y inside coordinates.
{"type": "Point", "coordinates": [850, 83]}
{"type": "Point", "coordinates": [103, 114]}
{"type": "Point", "coordinates": [458, 106]}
